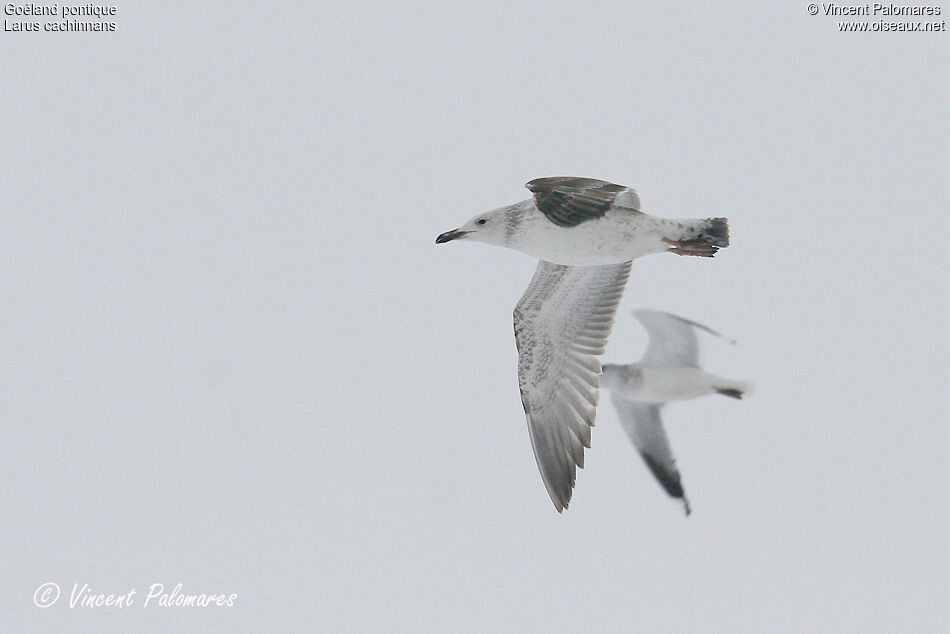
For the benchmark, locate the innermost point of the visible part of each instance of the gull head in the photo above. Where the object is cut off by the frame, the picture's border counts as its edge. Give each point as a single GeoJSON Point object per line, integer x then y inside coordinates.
{"type": "Point", "coordinates": [492, 227]}
{"type": "Point", "coordinates": [616, 376]}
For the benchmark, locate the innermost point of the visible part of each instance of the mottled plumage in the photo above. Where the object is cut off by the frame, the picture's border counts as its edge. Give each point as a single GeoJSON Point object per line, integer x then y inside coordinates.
{"type": "Point", "coordinates": [585, 232]}
{"type": "Point", "coordinates": [561, 324]}
{"type": "Point", "coordinates": [589, 222]}
{"type": "Point", "coordinates": [568, 201]}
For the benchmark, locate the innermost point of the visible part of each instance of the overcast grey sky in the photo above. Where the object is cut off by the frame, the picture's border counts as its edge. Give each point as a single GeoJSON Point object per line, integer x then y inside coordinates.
{"type": "Point", "coordinates": [231, 356]}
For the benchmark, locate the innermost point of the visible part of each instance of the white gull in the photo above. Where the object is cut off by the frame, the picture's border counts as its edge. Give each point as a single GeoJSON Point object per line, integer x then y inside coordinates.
{"type": "Point", "coordinates": [585, 232]}
{"type": "Point", "coordinates": [669, 371]}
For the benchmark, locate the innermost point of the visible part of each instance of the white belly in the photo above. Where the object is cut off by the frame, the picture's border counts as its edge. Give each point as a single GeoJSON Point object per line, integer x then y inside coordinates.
{"type": "Point", "coordinates": [618, 237]}
{"type": "Point", "coordinates": [665, 384]}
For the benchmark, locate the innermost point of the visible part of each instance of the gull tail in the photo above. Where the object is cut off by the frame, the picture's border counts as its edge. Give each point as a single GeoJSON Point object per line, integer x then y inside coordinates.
{"type": "Point", "coordinates": [701, 238]}
{"type": "Point", "coordinates": [734, 389]}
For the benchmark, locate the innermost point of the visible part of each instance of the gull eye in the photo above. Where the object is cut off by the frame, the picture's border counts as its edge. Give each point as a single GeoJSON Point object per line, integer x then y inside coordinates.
{"type": "Point", "coordinates": [481, 221]}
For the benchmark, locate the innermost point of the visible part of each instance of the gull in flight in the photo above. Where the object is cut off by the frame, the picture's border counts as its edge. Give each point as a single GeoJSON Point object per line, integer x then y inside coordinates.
{"type": "Point", "coordinates": [585, 232]}
{"type": "Point", "coordinates": [669, 371]}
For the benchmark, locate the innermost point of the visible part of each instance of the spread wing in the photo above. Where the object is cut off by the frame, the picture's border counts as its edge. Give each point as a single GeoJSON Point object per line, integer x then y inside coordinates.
{"type": "Point", "coordinates": [643, 425]}
{"type": "Point", "coordinates": [672, 338]}
{"type": "Point", "coordinates": [568, 201]}
{"type": "Point", "coordinates": [561, 325]}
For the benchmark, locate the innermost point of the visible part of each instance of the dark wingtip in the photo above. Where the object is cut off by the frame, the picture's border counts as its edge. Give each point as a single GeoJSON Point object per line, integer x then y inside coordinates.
{"type": "Point", "coordinates": [669, 480]}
